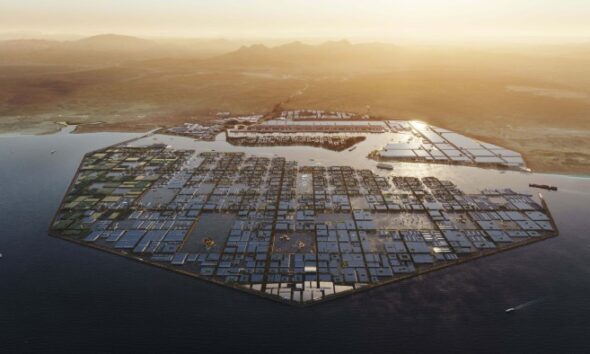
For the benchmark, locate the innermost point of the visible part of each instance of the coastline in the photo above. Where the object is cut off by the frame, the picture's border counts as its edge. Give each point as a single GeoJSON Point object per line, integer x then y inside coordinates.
{"type": "Point", "coordinates": [537, 159]}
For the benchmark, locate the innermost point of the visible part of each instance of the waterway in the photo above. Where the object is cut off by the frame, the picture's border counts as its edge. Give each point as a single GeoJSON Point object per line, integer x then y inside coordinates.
{"type": "Point", "coordinates": [55, 295]}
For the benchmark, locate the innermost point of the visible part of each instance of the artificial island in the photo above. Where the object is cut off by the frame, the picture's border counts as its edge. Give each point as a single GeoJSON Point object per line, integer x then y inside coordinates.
{"type": "Point", "coordinates": [299, 232]}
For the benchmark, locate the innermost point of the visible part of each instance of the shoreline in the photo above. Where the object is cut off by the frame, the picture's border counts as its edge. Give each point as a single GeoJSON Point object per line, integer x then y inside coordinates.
{"type": "Point", "coordinates": [535, 165]}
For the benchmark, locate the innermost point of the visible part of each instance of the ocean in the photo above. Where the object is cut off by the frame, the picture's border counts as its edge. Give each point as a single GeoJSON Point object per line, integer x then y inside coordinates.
{"type": "Point", "coordinates": [58, 296]}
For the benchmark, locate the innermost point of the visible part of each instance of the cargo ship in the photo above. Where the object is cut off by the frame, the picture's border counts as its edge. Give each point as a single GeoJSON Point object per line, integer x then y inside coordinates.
{"type": "Point", "coordinates": [385, 166]}
{"type": "Point", "coordinates": [543, 186]}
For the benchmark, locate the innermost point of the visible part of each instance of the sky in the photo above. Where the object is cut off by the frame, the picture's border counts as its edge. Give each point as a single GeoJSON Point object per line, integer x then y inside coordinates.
{"type": "Point", "coordinates": [383, 20]}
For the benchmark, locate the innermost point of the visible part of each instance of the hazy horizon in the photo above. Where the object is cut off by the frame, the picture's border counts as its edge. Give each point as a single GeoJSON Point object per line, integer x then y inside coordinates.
{"type": "Point", "coordinates": [424, 21]}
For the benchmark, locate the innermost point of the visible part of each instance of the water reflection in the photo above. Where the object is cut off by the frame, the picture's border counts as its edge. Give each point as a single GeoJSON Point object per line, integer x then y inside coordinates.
{"type": "Point", "coordinates": [470, 179]}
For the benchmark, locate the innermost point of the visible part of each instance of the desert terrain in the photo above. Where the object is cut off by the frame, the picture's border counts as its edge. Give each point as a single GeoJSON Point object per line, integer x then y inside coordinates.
{"type": "Point", "coordinates": [533, 99]}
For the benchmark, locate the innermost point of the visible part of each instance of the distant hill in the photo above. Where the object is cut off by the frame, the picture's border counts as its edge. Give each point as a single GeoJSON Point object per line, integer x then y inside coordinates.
{"type": "Point", "coordinates": [106, 49]}
{"type": "Point", "coordinates": [102, 49]}
{"type": "Point", "coordinates": [113, 42]}
{"type": "Point", "coordinates": [27, 44]}
{"type": "Point", "coordinates": [133, 83]}
{"type": "Point", "coordinates": [332, 53]}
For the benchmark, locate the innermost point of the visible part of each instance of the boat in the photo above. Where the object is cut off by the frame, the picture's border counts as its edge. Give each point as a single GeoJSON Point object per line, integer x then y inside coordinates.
{"type": "Point", "coordinates": [52, 152]}
{"type": "Point", "coordinates": [510, 310]}
{"type": "Point", "coordinates": [385, 166]}
{"type": "Point", "coordinates": [543, 186]}
{"type": "Point", "coordinates": [352, 148]}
